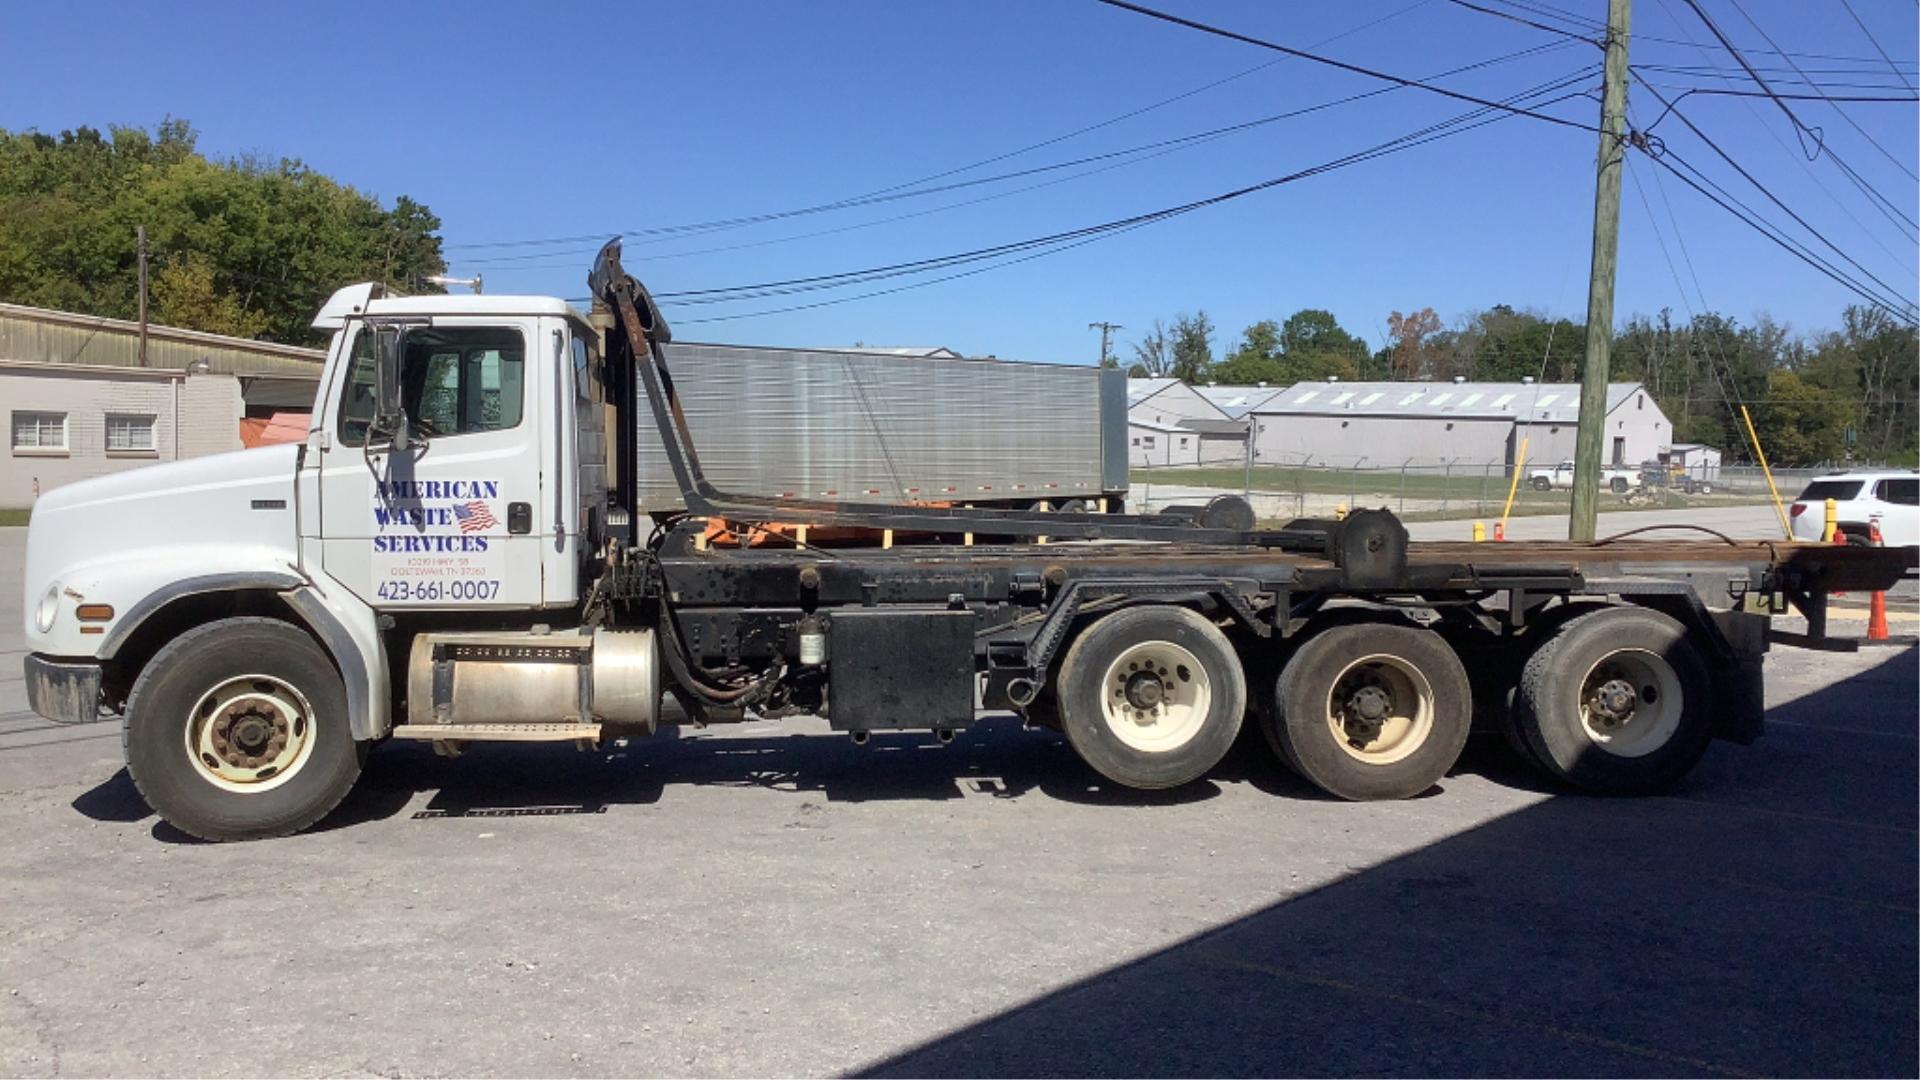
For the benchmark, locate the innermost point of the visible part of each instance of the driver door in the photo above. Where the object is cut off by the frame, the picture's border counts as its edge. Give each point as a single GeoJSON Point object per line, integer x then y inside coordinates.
{"type": "Point", "coordinates": [448, 521]}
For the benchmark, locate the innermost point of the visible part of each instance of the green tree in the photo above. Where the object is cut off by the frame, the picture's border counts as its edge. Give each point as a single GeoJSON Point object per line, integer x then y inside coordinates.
{"type": "Point", "coordinates": [1152, 356]}
{"type": "Point", "coordinates": [1803, 424]}
{"type": "Point", "coordinates": [1256, 359]}
{"type": "Point", "coordinates": [237, 246]}
{"type": "Point", "coordinates": [1192, 347]}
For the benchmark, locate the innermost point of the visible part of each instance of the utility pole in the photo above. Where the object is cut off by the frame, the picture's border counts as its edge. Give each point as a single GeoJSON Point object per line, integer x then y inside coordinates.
{"type": "Point", "coordinates": [1587, 443]}
{"type": "Point", "coordinates": [140, 235]}
{"type": "Point", "coordinates": [1106, 333]}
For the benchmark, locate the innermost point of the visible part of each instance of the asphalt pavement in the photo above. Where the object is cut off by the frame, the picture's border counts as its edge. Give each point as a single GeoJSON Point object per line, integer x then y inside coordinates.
{"type": "Point", "coordinates": [770, 899]}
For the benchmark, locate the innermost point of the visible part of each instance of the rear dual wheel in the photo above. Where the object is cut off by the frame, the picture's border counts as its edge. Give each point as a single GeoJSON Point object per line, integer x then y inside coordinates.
{"type": "Point", "coordinates": [1371, 710]}
{"type": "Point", "coordinates": [1151, 697]}
{"type": "Point", "coordinates": [1615, 701]}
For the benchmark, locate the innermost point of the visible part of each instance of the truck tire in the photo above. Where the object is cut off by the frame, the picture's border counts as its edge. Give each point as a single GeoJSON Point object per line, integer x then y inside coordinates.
{"type": "Point", "coordinates": [1151, 697]}
{"type": "Point", "coordinates": [1541, 483]}
{"type": "Point", "coordinates": [237, 730]}
{"type": "Point", "coordinates": [1618, 485]}
{"type": "Point", "coordinates": [1371, 710]}
{"type": "Point", "coordinates": [1616, 702]}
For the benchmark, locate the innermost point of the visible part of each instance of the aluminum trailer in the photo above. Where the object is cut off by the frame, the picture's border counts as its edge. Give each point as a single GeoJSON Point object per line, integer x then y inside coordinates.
{"type": "Point", "coordinates": [820, 423]}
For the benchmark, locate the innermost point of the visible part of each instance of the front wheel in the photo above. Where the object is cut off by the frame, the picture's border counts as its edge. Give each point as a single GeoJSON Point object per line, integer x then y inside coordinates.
{"type": "Point", "coordinates": [1151, 697]}
{"type": "Point", "coordinates": [1371, 710]}
{"type": "Point", "coordinates": [1541, 483]}
{"type": "Point", "coordinates": [237, 730]}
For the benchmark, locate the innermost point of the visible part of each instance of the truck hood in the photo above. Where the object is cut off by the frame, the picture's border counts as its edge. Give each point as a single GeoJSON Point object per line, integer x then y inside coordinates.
{"type": "Point", "coordinates": [105, 538]}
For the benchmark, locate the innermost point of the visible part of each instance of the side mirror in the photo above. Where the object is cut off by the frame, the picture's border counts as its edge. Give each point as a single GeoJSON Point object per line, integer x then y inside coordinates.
{"type": "Point", "coordinates": [390, 411]}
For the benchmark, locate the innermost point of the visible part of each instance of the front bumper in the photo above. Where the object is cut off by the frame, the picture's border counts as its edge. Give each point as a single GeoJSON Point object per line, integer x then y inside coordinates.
{"type": "Point", "coordinates": [64, 691]}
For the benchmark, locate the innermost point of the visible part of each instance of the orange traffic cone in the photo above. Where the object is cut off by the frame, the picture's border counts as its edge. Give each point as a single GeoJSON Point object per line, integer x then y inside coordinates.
{"type": "Point", "coordinates": [1499, 530]}
{"type": "Point", "coordinates": [1877, 606]}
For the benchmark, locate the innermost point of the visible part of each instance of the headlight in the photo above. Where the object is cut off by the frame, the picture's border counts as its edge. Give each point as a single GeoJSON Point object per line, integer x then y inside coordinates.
{"type": "Point", "coordinates": [49, 608]}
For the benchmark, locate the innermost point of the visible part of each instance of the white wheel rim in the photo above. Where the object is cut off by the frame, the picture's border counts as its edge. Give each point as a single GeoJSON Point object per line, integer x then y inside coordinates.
{"type": "Point", "coordinates": [250, 734]}
{"type": "Point", "coordinates": [1155, 697]}
{"type": "Point", "coordinates": [1380, 709]}
{"type": "Point", "coordinates": [1630, 703]}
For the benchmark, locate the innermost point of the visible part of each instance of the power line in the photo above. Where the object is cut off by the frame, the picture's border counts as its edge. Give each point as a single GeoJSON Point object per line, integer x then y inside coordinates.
{"type": "Point", "coordinates": [1798, 159]}
{"type": "Point", "coordinates": [1875, 42]}
{"type": "Point", "coordinates": [1168, 17]}
{"type": "Point", "coordinates": [1747, 217]}
{"type": "Point", "coordinates": [943, 174]}
{"type": "Point", "coordinates": [1709, 91]}
{"type": "Point", "coordinates": [1519, 19]}
{"type": "Point", "coordinates": [1595, 26]}
{"type": "Point", "coordinates": [1452, 126]}
{"type": "Point", "coordinates": [1159, 148]}
{"type": "Point", "coordinates": [1799, 126]}
{"type": "Point", "coordinates": [1875, 143]}
{"type": "Point", "coordinates": [843, 278]}
{"type": "Point", "coordinates": [1762, 188]}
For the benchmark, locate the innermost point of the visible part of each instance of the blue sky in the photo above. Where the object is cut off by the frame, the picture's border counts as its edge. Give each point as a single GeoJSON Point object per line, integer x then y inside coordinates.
{"type": "Point", "coordinates": [517, 122]}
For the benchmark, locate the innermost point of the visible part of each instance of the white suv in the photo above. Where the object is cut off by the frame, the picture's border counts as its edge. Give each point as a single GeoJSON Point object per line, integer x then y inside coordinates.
{"type": "Point", "coordinates": [1892, 498]}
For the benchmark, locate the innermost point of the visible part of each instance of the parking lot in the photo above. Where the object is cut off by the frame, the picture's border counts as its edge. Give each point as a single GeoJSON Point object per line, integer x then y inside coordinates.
{"type": "Point", "coordinates": [771, 899]}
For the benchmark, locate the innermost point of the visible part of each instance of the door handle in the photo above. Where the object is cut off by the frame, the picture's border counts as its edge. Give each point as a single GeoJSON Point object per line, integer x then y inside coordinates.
{"type": "Point", "coordinates": [519, 518]}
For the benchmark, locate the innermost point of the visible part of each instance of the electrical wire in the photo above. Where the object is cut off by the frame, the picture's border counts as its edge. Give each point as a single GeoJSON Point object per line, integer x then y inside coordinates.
{"type": "Point", "coordinates": [1372, 73]}
{"type": "Point", "coordinates": [981, 163]}
{"type": "Point", "coordinates": [1726, 202]}
{"type": "Point", "coordinates": [1799, 126]}
{"type": "Point", "coordinates": [1452, 126]}
{"type": "Point", "coordinates": [1762, 188]}
{"type": "Point", "coordinates": [1729, 77]}
{"type": "Point", "coordinates": [808, 283]}
{"type": "Point", "coordinates": [1875, 42]}
{"type": "Point", "coordinates": [1875, 143]}
{"type": "Point", "coordinates": [1145, 152]}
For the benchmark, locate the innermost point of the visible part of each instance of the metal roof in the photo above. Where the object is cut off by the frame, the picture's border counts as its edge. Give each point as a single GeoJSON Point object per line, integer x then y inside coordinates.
{"type": "Point", "coordinates": [1238, 401]}
{"type": "Point", "coordinates": [1526, 403]}
{"type": "Point", "coordinates": [935, 352]}
{"type": "Point", "coordinates": [1139, 390]}
{"type": "Point", "coordinates": [40, 335]}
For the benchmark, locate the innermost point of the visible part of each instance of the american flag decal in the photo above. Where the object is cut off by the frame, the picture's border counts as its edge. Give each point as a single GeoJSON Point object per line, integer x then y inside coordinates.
{"type": "Point", "coordinates": [474, 516]}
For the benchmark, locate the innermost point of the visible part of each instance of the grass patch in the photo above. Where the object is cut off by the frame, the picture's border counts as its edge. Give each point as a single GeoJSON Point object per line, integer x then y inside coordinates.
{"type": "Point", "coordinates": [14, 517]}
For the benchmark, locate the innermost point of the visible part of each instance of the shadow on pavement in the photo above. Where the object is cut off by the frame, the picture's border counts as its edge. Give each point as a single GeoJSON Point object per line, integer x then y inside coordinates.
{"type": "Point", "coordinates": [1741, 926]}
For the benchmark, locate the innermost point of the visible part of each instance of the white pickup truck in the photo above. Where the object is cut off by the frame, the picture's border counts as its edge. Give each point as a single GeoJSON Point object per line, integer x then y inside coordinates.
{"type": "Point", "coordinates": [1615, 478]}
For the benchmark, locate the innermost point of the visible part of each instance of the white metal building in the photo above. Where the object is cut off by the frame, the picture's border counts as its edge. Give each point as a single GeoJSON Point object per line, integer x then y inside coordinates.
{"type": "Point", "coordinates": [77, 402]}
{"type": "Point", "coordinates": [1389, 424]}
{"type": "Point", "coordinates": [1238, 401]}
{"type": "Point", "coordinates": [1171, 423]}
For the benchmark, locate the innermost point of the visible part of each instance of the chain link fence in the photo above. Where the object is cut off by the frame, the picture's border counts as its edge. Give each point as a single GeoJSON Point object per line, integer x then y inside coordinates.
{"type": "Point", "coordinates": [1449, 489]}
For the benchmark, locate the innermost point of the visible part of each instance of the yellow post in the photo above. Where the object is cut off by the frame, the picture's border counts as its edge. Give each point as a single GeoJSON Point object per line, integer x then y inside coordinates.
{"type": "Point", "coordinates": [1761, 455]}
{"type": "Point", "coordinates": [1340, 512]}
{"type": "Point", "coordinates": [886, 539]}
{"type": "Point", "coordinates": [800, 536]}
{"type": "Point", "coordinates": [1513, 488]}
{"type": "Point", "coordinates": [1479, 531]}
{"type": "Point", "coordinates": [1832, 527]}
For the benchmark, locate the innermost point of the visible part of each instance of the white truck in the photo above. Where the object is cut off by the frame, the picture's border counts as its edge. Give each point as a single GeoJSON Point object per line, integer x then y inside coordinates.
{"type": "Point", "coordinates": [1615, 478]}
{"type": "Point", "coordinates": [453, 555]}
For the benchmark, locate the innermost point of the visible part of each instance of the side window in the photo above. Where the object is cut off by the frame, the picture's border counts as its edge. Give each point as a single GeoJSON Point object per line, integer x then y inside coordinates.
{"type": "Point", "coordinates": [1904, 492]}
{"type": "Point", "coordinates": [586, 373]}
{"type": "Point", "coordinates": [358, 398]}
{"type": "Point", "coordinates": [454, 381]}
